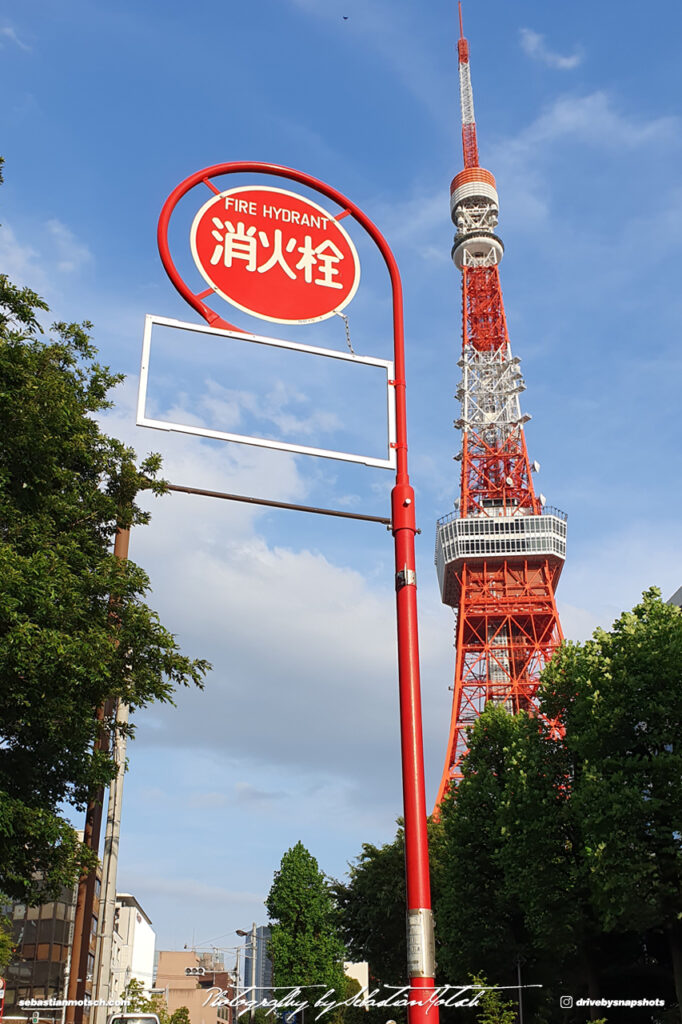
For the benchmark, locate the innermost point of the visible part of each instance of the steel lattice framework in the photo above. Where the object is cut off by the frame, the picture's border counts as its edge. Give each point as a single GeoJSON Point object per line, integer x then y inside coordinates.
{"type": "Point", "coordinates": [500, 554]}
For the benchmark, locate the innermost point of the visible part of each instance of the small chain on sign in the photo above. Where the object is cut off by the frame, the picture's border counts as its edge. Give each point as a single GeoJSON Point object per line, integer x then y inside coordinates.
{"type": "Point", "coordinates": [345, 321]}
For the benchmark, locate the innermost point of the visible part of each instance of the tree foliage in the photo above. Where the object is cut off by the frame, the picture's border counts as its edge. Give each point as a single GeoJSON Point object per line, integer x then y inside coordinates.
{"type": "Point", "coordinates": [561, 851]}
{"type": "Point", "coordinates": [516, 892]}
{"type": "Point", "coordinates": [564, 850]}
{"type": "Point", "coordinates": [372, 909]}
{"type": "Point", "coordinates": [372, 904]}
{"type": "Point", "coordinates": [305, 946]}
{"type": "Point", "coordinates": [618, 698]}
{"type": "Point", "coordinates": [65, 487]}
{"type": "Point", "coordinates": [478, 915]}
{"type": "Point", "coordinates": [7, 944]}
{"type": "Point", "coordinates": [493, 1007]}
{"type": "Point", "coordinates": [137, 1002]}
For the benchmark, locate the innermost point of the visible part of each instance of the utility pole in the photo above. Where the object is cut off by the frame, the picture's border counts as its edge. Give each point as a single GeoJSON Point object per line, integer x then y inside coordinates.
{"type": "Point", "coordinates": [82, 925]}
{"type": "Point", "coordinates": [236, 986]}
{"type": "Point", "coordinates": [101, 989]}
{"type": "Point", "coordinates": [251, 982]}
{"type": "Point", "coordinates": [252, 1011]}
{"type": "Point", "coordinates": [518, 977]}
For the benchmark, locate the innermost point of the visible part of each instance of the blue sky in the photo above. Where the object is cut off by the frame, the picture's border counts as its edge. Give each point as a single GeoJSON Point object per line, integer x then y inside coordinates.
{"type": "Point", "coordinates": [105, 109]}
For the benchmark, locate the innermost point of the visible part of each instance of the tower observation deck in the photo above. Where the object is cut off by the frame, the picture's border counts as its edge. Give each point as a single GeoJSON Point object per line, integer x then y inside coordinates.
{"type": "Point", "coordinates": [500, 553]}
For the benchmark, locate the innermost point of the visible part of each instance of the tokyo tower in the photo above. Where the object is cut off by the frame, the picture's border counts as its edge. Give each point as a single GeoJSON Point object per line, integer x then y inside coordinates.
{"type": "Point", "coordinates": [500, 553]}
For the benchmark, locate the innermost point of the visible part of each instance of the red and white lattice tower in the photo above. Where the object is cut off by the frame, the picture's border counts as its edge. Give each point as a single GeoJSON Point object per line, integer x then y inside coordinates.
{"type": "Point", "coordinates": [500, 553]}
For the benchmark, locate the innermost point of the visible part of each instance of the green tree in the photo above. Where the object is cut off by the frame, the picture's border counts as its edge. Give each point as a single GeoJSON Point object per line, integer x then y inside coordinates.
{"type": "Point", "coordinates": [520, 887]}
{"type": "Point", "coordinates": [65, 486]}
{"type": "Point", "coordinates": [372, 910]}
{"type": "Point", "coordinates": [618, 697]}
{"type": "Point", "coordinates": [138, 1002]}
{"type": "Point", "coordinates": [481, 922]}
{"type": "Point", "coordinates": [372, 904]}
{"type": "Point", "coordinates": [305, 946]}
{"type": "Point", "coordinates": [6, 940]}
{"type": "Point", "coordinates": [545, 868]}
{"type": "Point", "coordinates": [565, 849]}
{"type": "Point", "coordinates": [494, 1009]}
{"type": "Point", "coordinates": [513, 895]}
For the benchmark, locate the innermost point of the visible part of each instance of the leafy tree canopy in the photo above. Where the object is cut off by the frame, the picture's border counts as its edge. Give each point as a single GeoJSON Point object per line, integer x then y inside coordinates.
{"type": "Point", "coordinates": [138, 1002]}
{"type": "Point", "coordinates": [618, 697]}
{"type": "Point", "coordinates": [6, 940]}
{"type": "Point", "coordinates": [480, 918]}
{"type": "Point", "coordinates": [305, 946]}
{"type": "Point", "coordinates": [372, 904]}
{"type": "Point", "coordinates": [560, 855]}
{"type": "Point", "coordinates": [75, 630]}
{"type": "Point", "coordinates": [372, 909]}
{"type": "Point", "coordinates": [566, 851]}
{"type": "Point", "coordinates": [494, 1008]}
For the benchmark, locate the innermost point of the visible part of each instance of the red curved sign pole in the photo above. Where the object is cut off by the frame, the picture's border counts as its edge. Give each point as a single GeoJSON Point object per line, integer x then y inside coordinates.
{"type": "Point", "coordinates": [420, 929]}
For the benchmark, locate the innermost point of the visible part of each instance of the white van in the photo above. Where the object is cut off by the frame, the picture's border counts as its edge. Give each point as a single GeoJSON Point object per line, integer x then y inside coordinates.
{"type": "Point", "coordinates": [134, 1018]}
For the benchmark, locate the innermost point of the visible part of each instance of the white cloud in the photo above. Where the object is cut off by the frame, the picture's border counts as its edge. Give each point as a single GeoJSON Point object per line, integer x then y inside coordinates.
{"type": "Point", "coordinates": [614, 568]}
{"type": "Point", "coordinates": [294, 636]}
{"type": "Point", "coordinates": [534, 45]}
{"type": "Point", "coordinates": [20, 262]}
{"type": "Point", "coordinates": [9, 33]}
{"type": "Point", "coordinates": [189, 888]}
{"type": "Point", "coordinates": [246, 792]}
{"type": "Point", "coordinates": [226, 406]}
{"type": "Point", "coordinates": [35, 266]}
{"type": "Point", "coordinates": [595, 118]}
{"type": "Point", "coordinates": [522, 162]}
{"type": "Point", "coordinates": [71, 254]}
{"type": "Point", "coordinates": [214, 465]}
{"type": "Point", "coordinates": [416, 217]}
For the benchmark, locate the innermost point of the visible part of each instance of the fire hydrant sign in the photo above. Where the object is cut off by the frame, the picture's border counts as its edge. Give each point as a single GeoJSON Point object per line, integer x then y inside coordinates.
{"type": "Point", "coordinates": [275, 254]}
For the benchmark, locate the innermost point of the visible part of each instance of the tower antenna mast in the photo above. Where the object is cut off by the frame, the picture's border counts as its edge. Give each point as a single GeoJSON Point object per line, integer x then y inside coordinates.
{"type": "Point", "coordinates": [466, 95]}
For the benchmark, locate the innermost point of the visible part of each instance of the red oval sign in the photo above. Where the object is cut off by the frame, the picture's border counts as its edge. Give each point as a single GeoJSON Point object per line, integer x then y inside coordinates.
{"type": "Point", "coordinates": [275, 254]}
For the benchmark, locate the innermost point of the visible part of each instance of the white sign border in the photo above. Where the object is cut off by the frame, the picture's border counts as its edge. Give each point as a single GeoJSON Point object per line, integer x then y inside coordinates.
{"type": "Point", "coordinates": [145, 421]}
